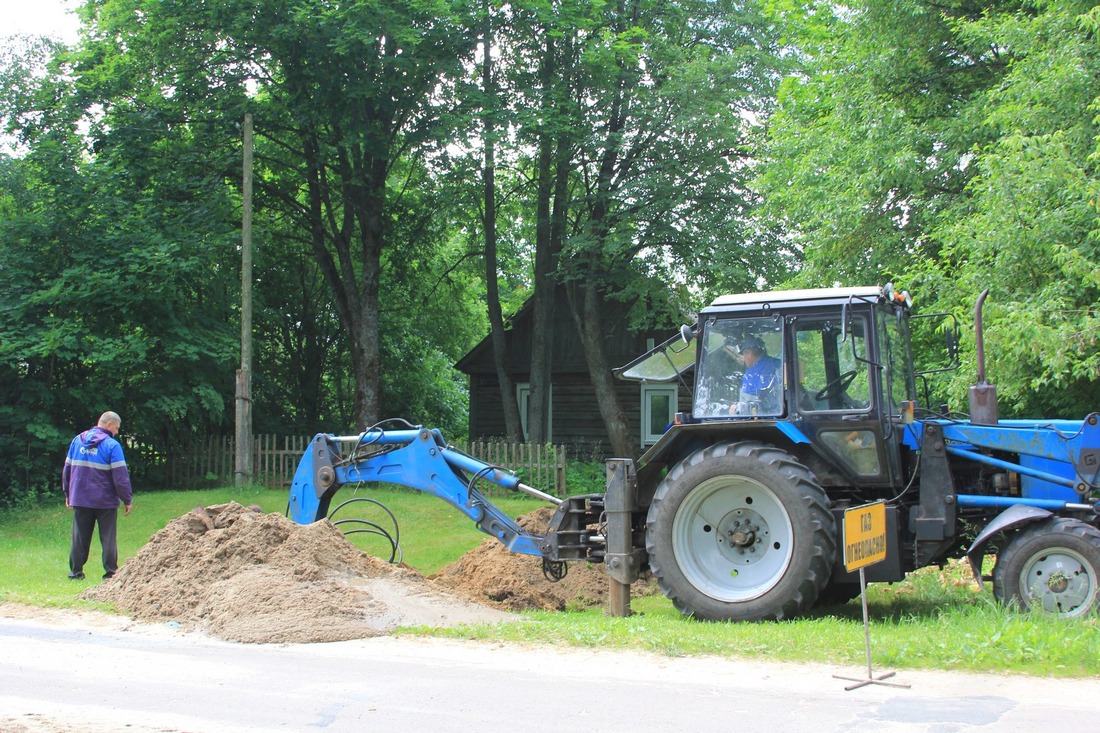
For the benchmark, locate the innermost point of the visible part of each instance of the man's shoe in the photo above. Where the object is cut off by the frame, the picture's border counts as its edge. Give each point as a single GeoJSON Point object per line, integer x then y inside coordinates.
{"type": "Point", "coordinates": [76, 576]}
{"type": "Point", "coordinates": [108, 575]}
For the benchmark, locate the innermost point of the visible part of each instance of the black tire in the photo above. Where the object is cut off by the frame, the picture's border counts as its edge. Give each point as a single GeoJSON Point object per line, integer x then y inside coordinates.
{"type": "Point", "coordinates": [741, 532]}
{"type": "Point", "coordinates": [1052, 566]}
{"type": "Point", "coordinates": [837, 594]}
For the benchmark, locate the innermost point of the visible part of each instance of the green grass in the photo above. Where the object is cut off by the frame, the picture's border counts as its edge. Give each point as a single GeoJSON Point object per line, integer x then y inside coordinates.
{"type": "Point", "coordinates": [931, 621]}
{"type": "Point", "coordinates": [936, 619]}
{"type": "Point", "coordinates": [34, 543]}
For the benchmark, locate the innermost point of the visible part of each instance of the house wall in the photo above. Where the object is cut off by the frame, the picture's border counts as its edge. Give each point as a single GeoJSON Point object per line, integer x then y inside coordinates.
{"type": "Point", "coordinates": [576, 420]}
{"type": "Point", "coordinates": [575, 416]}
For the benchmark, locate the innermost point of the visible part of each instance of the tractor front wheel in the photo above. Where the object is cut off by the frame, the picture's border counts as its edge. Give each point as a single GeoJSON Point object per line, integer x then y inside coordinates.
{"type": "Point", "coordinates": [741, 532]}
{"type": "Point", "coordinates": [1052, 566]}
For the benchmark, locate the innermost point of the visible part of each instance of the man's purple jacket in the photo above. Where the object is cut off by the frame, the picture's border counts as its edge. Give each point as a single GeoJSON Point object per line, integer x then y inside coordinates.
{"type": "Point", "coordinates": [95, 474]}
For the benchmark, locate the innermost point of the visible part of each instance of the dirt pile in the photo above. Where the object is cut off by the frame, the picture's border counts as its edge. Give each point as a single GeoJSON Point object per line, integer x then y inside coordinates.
{"type": "Point", "coordinates": [242, 575]}
{"type": "Point", "coordinates": [246, 576]}
{"type": "Point", "coordinates": [490, 574]}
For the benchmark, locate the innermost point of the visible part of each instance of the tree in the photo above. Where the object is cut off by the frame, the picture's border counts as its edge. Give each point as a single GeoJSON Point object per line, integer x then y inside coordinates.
{"type": "Point", "coordinates": [491, 127]}
{"type": "Point", "coordinates": [114, 291]}
{"type": "Point", "coordinates": [642, 162]}
{"type": "Point", "coordinates": [1029, 228]}
{"type": "Point", "coordinates": [949, 147]}
{"type": "Point", "coordinates": [134, 137]}
{"type": "Point", "coordinates": [302, 353]}
{"type": "Point", "coordinates": [343, 92]}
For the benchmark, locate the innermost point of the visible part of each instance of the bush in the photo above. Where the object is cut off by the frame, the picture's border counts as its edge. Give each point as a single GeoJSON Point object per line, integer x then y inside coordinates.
{"type": "Point", "coordinates": [585, 477]}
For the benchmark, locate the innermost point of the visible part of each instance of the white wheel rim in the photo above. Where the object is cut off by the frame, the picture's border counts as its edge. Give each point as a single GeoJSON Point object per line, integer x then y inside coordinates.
{"type": "Point", "coordinates": [732, 538]}
{"type": "Point", "coordinates": [1059, 581]}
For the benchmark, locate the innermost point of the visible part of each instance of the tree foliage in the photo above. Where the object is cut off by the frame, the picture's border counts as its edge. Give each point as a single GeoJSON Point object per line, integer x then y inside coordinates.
{"type": "Point", "coordinates": [116, 293]}
{"type": "Point", "coordinates": [950, 147]}
{"type": "Point", "coordinates": [341, 93]}
{"type": "Point", "coordinates": [127, 209]}
{"type": "Point", "coordinates": [637, 120]}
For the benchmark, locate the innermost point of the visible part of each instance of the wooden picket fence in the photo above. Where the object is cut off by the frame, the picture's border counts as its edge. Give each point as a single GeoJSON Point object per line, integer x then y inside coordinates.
{"type": "Point", "coordinates": [541, 466]}
{"type": "Point", "coordinates": [212, 462]}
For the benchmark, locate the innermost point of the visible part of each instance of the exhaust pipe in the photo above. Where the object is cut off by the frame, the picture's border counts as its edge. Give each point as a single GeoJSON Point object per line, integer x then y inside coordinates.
{"type": "Point", "coordinates": [983, 395]}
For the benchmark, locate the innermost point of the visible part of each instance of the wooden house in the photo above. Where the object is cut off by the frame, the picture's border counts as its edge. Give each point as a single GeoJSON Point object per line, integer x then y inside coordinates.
{"type": "Point", "coordinates": [574, 416]}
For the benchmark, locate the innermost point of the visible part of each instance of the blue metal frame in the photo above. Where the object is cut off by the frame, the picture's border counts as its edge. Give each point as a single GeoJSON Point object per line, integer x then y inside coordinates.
{"type": "Point", "coordinates": [1053, 455]}
{"type": "Point", "coordinates": [419, 459]}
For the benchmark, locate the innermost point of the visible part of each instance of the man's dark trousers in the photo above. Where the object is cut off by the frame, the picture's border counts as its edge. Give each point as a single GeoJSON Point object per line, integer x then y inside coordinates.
{"type": "Point", "coordinates": [84, 521]}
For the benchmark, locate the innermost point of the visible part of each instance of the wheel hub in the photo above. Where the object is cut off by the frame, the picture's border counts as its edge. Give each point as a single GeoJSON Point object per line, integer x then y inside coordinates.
{"type": "Point", "coordinates": [1058, 583]}
{"type": "Point", "coordinates": [741, 535]}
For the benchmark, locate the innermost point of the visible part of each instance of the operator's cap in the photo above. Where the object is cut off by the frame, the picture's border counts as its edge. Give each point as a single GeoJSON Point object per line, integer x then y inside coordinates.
{"type": "Point", "coordinates": [750, 342]}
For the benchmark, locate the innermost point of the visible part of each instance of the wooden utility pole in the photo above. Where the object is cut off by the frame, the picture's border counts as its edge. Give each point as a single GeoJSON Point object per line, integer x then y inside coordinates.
{"type": "Point", "coordinates": [243, 473]}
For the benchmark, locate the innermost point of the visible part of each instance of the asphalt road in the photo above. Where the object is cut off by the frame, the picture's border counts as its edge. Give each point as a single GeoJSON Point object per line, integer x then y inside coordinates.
{"type": "Point", "coordinates": [104, 674]}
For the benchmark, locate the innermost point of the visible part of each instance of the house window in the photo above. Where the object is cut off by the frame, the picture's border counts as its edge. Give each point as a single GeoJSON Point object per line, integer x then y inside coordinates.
{"type": "Point", "coordinates": [658, 410]}
{"type": "Point", "coordinates": [523, 396]}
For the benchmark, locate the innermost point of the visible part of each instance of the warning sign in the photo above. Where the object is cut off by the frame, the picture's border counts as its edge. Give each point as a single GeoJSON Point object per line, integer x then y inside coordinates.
{"type": "Point", "coordinates": [864, 535]}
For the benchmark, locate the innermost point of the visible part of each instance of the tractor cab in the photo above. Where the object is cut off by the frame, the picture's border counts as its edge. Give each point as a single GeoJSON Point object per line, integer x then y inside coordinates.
{"type": "Point", "coordinates": [825, 373]}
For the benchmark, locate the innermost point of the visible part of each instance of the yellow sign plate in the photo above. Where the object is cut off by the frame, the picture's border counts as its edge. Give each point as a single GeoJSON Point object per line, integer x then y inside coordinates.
{"type": "Point", "coordinates": [864, 535]}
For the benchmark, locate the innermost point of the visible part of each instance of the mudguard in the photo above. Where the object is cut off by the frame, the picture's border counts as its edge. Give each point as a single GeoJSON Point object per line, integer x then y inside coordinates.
{"type": "Point", "coordinates": [1011, 518]}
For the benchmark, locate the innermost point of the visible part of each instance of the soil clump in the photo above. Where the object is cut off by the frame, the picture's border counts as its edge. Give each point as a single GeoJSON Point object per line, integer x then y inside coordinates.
{"type": "Point", "coordinates": [491, 574]}
{"type": "Point", "coordinates": [242, 575]}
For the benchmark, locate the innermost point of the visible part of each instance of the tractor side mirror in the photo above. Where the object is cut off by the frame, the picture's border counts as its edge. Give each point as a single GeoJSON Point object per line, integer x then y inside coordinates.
{"type": "Point", "coordinates": [951, 337]}
{"type": "Point", "coordinates": [686, 334]}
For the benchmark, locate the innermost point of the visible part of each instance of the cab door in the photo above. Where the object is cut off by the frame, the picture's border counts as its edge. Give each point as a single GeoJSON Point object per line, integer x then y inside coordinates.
{"type": "Point", "coordinates": [836, 394]}
{"type": "Point", "coordinates": [897, 383]}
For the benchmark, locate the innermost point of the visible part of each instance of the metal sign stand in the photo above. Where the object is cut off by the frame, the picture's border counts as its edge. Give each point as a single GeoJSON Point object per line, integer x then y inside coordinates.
{"type": "Point", "coordinates": [865, 544]}
{"type": "Point", "coordinates": [870, 679]}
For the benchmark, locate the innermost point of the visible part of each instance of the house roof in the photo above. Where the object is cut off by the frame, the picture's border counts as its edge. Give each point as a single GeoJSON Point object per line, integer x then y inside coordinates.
{"type": "Point", "coordinates": [568, 354]}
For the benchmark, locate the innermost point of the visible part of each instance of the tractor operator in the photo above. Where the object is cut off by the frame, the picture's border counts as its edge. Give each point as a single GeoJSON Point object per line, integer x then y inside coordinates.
{"type": "Point", "coordinates": [761, 385]}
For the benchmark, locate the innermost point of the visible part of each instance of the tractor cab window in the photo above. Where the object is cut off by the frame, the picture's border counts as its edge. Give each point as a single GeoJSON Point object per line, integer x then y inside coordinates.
{"type": "Point", "coordinates": [831, 371]}
{"type": "Point", "coordinates": [663, 363]}
{"type": "Point", "coordinates": [740, 371]}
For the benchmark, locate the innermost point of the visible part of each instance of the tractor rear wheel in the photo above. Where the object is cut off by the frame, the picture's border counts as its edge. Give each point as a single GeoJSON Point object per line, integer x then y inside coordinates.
{"type": "Point", "coordinates": [741, 532]}
{"type": "Point", "coordinates": [1052, 566]}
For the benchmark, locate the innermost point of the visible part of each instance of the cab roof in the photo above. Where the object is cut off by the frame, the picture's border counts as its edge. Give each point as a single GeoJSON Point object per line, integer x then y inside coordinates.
{"type": "Point", "coordinates": [808, 297]}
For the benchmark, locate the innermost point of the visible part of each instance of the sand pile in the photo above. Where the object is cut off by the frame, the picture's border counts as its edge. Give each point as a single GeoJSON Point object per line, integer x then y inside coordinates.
{"type": "Point", "coordinates": [490, 574]}
{"type": "Point", "coordinates": [246, 576]}
{"type": "Point", "coordinates": [242, 575]}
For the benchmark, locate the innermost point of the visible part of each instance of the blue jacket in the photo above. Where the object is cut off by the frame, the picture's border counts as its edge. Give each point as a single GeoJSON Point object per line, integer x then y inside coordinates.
{"type": "Point", "coordinates": [762, 375]}
{"type": "Point", "coordinates": [95, 474]}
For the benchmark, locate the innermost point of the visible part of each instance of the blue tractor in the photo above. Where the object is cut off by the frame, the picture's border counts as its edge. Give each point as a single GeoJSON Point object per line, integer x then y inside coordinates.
{"type": "Point", "coordinates": [803, 404]}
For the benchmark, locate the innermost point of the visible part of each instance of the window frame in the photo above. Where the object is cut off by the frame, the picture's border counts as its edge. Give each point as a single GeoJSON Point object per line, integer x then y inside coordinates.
{"type": "Point", "coordinates": [844, 351]}
{"type": "Point", "coordinates": [648, 391]}
{"type": "Point", "coordinates": [523, 398]}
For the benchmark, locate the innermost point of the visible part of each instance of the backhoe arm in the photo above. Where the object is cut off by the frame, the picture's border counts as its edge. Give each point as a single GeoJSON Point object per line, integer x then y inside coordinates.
{"type": "Point", "coordinates": [417, 458]}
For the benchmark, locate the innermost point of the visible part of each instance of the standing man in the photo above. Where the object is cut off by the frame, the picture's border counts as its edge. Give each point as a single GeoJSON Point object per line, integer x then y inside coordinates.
{"type": "Point", "coordinates": [95, 481]}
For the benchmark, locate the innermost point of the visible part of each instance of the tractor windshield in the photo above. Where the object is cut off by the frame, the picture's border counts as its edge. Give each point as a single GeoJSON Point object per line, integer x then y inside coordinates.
{"type": "Point", "coordinates": [740, 370]}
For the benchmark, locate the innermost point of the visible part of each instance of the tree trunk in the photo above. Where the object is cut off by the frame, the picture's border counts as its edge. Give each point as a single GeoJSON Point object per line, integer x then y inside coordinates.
{"type": "Point", "coordinates": [356, 297]}
{"type": "Point", "coordinates": [587, 313]}
{"type": "Point", "coordinates": [368, 204]}
{"type": "Point", "coordinates": [512, 424]}
{"type": "Point", "coordinates": [542, 313]}
{"type": "Point", "coordinates": [590, 326]}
